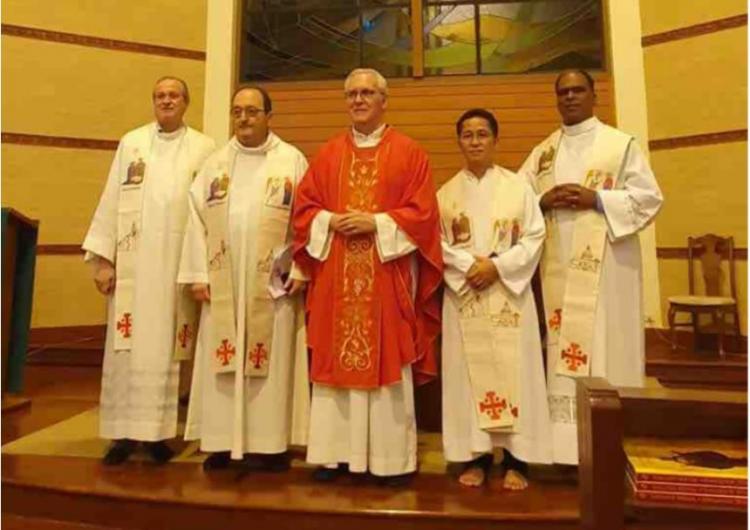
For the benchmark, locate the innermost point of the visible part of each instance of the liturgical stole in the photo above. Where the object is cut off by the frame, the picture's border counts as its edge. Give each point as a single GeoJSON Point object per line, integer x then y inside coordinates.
{"type": "Point", "coordinates": [571, 290]}
{"type": "Point", "coordinates": [490, 320]}
{"type": "Point", "coordinates": [136, 156]}
{"type": "Point", "coordinates": [272, 232]}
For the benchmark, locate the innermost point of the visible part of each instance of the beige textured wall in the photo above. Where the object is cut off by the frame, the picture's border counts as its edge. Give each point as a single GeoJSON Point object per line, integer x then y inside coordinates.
{"type": "Point", "coordinates": [76, 90]}
{"type": "Point", "coordinates": [696, 86]}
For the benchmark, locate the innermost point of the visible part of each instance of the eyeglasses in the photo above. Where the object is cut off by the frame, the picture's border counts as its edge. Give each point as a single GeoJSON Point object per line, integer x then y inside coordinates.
{"type": "Point", "coordinates": [365, 93]}
{"type": "Point", "coordinates": [250, 112]}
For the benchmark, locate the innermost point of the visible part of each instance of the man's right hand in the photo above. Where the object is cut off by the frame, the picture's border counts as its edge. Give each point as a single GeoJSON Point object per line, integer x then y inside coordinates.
{"type": "Point", "coordinates": [201, 292]}
{"type": "Point", "coordinates": [557, 197]}
{"type": "Point", "coordinates": [336, 222]}
{"type": "Point", "coordinates": [104, 276]}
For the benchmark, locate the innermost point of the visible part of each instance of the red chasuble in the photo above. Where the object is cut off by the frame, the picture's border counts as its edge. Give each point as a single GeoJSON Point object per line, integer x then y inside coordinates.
{"type": "Point", "coordinates": [363, 322]}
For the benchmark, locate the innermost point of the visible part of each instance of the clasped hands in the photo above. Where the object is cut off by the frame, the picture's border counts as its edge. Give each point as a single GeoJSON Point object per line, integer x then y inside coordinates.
{"type": "Point", "coordinates": [571, 196]}
{"type": "Point", "coordinates": [353, 223]}
{"type": "Point", "coordinates": [482, 273]}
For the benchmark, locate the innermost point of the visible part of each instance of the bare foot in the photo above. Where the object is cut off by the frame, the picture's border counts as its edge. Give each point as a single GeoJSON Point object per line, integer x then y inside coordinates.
{"type": "Point", "coordinates": [514, 481]}
{"type": "Point", "coordinates": [472, 477]}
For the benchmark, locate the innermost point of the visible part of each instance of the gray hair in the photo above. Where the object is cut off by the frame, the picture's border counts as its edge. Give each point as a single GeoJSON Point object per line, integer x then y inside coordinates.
{"type": "Point", "coordinates": [380, 81]}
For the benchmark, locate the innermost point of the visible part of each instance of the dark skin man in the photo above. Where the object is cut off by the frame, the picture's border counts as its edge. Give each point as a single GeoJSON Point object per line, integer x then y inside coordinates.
{"type": "Point", "coordinates": [575, 103]}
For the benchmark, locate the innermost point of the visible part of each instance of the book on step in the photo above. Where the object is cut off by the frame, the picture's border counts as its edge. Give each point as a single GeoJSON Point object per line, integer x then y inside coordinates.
{"type": "Point", "coordinates": [707, 472]}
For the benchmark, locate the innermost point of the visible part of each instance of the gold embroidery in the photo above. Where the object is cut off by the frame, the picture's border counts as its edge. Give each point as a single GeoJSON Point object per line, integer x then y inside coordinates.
{"type": "Point", "coordinates": [363, 175]}
{"type": "Point", "coordinates": [586, 261]}
{"type": "Point", "coordinates": [545, 160]}
{"type": "Point", "coordinates": [506, 318]}
{"type": "Point", "coordinates": [356, 323]}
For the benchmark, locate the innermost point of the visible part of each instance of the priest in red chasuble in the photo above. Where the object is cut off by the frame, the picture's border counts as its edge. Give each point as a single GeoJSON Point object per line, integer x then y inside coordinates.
{"type": "Point", "coordinates": [367, 234]}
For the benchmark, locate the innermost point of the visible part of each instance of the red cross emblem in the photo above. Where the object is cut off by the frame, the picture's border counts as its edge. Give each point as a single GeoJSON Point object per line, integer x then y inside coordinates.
{"type": "Point", "coordinates": [225, 352]}
{"type": "Point", "coordinates": [185, 335]}
{"type": "Point", "coordinates": [125, 324]}
{"type": "Point", "coordinates": [259, 355]}
{"type": "Point", "coordinates": [556, 320]}
{"type": "Point", "coordinates": [492, 405]}
{"type": "Point", "coordinates": [574, 356]}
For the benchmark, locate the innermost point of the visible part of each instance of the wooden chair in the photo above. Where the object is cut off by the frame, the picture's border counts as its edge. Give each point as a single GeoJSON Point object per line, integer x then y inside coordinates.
{"type": "Point", "coordinates": [607, 415]}
{"type": "Point", "coordinates": [710, 249]}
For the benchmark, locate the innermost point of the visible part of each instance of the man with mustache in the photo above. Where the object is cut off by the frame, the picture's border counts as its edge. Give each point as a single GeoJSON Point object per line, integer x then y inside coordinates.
{"type": "Point", "coordinates": [237, 262]}
{"type": "Point", "coordinates": [134, 245]}
{"type": "Point", "coordinates": [597, 192]}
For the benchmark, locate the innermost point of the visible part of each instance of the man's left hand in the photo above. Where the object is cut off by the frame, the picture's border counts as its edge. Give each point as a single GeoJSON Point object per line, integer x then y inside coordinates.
{"type": "Point", "coordinates": [580, 198]}
{"type": "Point", "coordinates": [293, 286]}
{"type": "Point", "coordinates": [482, 274]}
{"type": "Point", "coordinates": [357, 223]}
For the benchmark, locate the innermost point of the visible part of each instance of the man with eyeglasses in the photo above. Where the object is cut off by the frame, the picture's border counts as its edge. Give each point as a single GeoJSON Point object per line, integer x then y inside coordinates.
{"type": "Point", "coordinates": [367, 234]}
{"type": "Point", "coordinates": [237, 262]}
{"type": "Point", "coordinates": [597, 192]}
{"type": "Point", "coordinates": [134, 243]}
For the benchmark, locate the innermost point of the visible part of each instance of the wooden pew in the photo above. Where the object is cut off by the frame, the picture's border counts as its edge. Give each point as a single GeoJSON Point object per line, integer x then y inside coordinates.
{"type": "Point", "coordinates": [607, 415]}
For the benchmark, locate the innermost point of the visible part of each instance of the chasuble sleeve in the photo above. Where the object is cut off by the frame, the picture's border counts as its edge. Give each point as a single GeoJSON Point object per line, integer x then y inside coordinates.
{"type": "Point", "coordinates": [390, 241]}
{"type": "Point", "coordinates": [301, 167]}
{"type": "Point", "coordinates": [194, 258]}
{"type": "Point", "coordinates": [637, 199]}
{"type": "Point", "coordinates": [516, 265]}
{"type": "Point", "coordinates": [311, 218]}
{"type": "Point", "coordinates": [101, 239]}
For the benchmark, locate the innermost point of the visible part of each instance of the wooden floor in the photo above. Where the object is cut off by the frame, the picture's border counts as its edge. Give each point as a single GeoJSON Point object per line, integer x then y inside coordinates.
{"type": "Point", "coordinates": [59, 493]}
{"type": "Point", "coordinates": [685, 368]}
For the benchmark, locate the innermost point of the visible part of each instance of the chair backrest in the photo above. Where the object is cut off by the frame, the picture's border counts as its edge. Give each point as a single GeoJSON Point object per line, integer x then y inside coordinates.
{"type": "Point", "coordinates": [711, 249]}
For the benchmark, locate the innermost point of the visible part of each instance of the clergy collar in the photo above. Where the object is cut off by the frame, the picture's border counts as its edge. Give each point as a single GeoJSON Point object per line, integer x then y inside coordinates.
{"type": "Point", "coordinates": [472, 176]}
{"type": "Point", "coordinates": [164, 135]}
{"type": "Point", "coordinates": [271, 141]}
{"type": "Point", "coordinates": [373, 138]}
{"type": "Point", "coordinates": [580, 128]}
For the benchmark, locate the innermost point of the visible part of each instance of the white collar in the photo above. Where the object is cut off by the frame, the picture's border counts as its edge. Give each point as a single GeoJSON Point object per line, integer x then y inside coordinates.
{"type": "Point", "coordinates": [473, 177]}
{"type": "Point", "coordinates": [373, 137]}
{"type": "Point", "coordinates": [582, 127]}
{"type": "Point", "coordinates": [163, 135]}
{"type": "Point", "coordinates": [270, 143]}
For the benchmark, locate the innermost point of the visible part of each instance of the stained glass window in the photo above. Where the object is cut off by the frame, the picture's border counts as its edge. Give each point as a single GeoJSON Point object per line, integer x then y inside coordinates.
{"type": "Point", "coordinates": [325, 39]}
{"type": "Point", "coordinates": [309, 39]}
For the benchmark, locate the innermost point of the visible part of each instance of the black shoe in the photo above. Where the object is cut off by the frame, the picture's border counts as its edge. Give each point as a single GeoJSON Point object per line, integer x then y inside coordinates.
{"type": "Point", "coordinates": [396, 481]}
{"type": "Point", "coordinates": [271, 463]}
{"type": "Point", "coordinates": [219, 460]}
{"type": "Point", "coordinates": [159, 452]}
{"type": "Point", "coordinates": [119, 452]}
{"type": "Point", "coordinates": [329, 474]}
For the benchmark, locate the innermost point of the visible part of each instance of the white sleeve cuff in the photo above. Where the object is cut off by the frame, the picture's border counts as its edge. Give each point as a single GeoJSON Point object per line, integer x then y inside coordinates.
{"type": "Point", "coordinates": [186, 278]}
{"type": "Point", "coordinates": [390, 240]}
{"type": "Point", "coordinates": [514, 285]}
{"type": "Point", "coordinates": [296, 273]}
{"type": "Point", "coordinates": [319, 244]}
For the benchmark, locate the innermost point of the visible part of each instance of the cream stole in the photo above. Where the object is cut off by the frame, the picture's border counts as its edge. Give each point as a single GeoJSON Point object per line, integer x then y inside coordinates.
{"type": "Point", "coordinates": [571, 290]}
{"type": "Point", "coordinates": [490, 320]}
{"type": "Point", "coordinates": [272, 233]}
{"type": "Point", "coordinates": [136, 158]}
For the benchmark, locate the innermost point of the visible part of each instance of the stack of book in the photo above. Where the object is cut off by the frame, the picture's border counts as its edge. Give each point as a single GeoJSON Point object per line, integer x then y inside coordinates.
{"type": "Point", "coordinates": [688, 472]}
